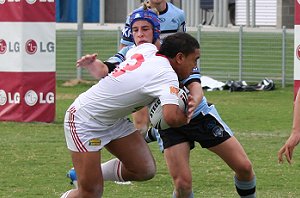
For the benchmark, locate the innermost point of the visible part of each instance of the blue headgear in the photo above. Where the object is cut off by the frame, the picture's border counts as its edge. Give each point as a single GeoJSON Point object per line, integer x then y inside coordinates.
{"type": "Point", "coordinates": [148, 15]}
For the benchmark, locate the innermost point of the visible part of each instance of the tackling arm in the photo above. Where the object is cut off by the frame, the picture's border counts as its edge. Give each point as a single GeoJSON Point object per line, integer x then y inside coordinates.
{"type": "Point", "coordinates": [95, 66]}
{"type": "Point", "coordinates": [174, 116]}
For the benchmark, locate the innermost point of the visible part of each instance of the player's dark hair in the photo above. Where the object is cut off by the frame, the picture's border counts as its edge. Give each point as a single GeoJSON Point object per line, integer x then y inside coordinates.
{"type": "Point", "coordinates": [178, 42]}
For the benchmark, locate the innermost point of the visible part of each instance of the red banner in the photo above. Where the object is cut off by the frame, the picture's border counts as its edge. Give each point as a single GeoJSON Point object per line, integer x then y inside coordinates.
{"type": "Point", "coordinates": [27, 60]}
{"type": "Point", "coordinates": [29, 96]}
{"type": "Point", "coordinates": [27, 10]}
{"type": "Point", "coordinates": [297, 12]}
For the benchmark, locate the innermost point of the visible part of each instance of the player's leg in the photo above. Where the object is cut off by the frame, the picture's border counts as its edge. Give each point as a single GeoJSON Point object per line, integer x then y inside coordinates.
{"type": "Point", "coordinates": [215, 135]}
{"type": "Point", "coordinates": [134, 160]}
{"type": "Point", "coordinates": [234, 155]}
{"type": "Point", "coordinates": [89, 175]}
{"type": "Point", "coordinates": [177, 160]}
{"type": "Point", "coordinates": [85, 157]}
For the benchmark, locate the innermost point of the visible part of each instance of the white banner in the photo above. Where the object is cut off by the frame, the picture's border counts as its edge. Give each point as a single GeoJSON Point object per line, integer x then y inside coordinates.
{"type": "Point", "coordinates": [24, 47]}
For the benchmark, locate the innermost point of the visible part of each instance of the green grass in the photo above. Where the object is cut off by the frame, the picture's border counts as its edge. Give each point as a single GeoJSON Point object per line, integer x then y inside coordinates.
{"type": "Point", "coordinates": [34, 158]}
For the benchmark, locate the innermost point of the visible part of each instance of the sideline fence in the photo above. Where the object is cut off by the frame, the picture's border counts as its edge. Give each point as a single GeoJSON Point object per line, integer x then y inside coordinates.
{"type": "Point", "coordinates": [226, 53]}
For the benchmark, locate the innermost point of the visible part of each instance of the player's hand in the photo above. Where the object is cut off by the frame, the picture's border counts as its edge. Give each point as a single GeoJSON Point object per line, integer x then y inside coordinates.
{"type": "Point", "coordinates": [288, 148]}
{"type": "Point", "coordinates": [191, 106]}
{"type": "Point", "coordinates": [86, 60]}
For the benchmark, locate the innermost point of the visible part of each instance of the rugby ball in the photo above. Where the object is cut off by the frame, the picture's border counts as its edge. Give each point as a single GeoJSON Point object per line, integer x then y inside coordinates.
{"type": "Point", "coordinates": [155, 111]}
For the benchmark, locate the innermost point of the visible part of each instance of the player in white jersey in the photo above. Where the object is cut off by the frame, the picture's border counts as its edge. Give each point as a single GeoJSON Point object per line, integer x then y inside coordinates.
{"type": "Point", "coordinates": [97, 118]}
{"type": "Point", "coordinates": [171, 19]}
{"type": "Point", "coordinates": [145, 27]}
{"type": "Point", "coordinates": [99, 69]}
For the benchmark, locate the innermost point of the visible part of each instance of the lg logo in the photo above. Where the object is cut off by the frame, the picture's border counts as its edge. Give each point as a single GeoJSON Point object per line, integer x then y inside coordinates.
{"type": "Point", "coordinates": [10, 98]}
{"type": "Point", "coordinates": [31, 98]}
{"type": "Point", "coordinates": [28, 1]}
{"type": "Point", "coordinates": [31, 47]}
{"type": "Point", "coordinates": [8, 46]}
{"type": "Point", "coordinates": [3, 46]}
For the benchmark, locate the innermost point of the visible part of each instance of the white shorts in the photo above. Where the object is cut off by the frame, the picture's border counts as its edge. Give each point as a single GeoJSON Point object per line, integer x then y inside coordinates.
{"type": "Point", "coordinates": [85, 134]}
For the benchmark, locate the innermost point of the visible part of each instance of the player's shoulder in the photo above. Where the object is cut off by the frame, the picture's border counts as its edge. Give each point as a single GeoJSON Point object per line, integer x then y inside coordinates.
{"type": "Point", "coordinates": [146, 49]}
{"type": "Point", "coordinates": [172, 8]}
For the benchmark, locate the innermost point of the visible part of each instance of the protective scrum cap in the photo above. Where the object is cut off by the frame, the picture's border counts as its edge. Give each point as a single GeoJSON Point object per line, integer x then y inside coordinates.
{"type": "Point", "coordinates": [148, 15]}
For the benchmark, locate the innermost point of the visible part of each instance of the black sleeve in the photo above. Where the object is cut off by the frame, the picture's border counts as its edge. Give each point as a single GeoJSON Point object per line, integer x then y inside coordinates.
{"type": "Point", "coordinates": [111, 66]}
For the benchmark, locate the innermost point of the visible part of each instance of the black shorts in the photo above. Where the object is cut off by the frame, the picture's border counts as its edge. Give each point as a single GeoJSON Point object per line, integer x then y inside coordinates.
{"type": "Point", "coordinates": [206, 130]}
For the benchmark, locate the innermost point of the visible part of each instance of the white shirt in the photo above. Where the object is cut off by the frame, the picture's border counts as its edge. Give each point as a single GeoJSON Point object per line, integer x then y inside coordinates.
{"type": "Point", "coordinates": [137, 81]}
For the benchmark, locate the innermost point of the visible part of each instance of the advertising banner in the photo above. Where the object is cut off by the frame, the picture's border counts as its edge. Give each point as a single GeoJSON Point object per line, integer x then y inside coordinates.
{"type": "Point", "coordinates": [27, 60]}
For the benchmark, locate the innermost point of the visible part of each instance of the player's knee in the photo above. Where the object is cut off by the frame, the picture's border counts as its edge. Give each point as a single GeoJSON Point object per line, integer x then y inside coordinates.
{"type": "Point", "coordinates": [245, 171]}
{"type": "Point", "coordinates": [149, 171]}
{"type": "Point", "coordinates": [146, 172]}
{"type": "Point", "coordinates": [183, 185]}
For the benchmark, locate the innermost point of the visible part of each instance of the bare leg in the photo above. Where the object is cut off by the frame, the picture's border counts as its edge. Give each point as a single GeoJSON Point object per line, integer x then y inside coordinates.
{"type": "Point", "coordinates": [234, 155]}
{"type": "Point", "coordinates": [232, 152]}
{"type": "Point", "coordinates": [137, 161]}
{"type": "Point", "coordinates": [177, 159]}
{"type": "Point", "coordinates": [89, 175]}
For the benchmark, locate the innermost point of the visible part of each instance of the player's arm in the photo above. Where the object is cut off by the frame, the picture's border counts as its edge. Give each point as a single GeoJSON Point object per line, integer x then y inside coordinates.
{"type": "Point", "coordinates": [96, 67]}
{"type": "Point", "coordinates": [193, 84]}
{"type": "Point", "coordinates": [182, 23]}
{"type": "Point", "coordinates": [196, 91]}
{"type": "Point", "coordinates": [174, 116]}
{"type": "Point", "coordinates": [294, 139]}
{"type": "Point", "coordinates": [99, 69]}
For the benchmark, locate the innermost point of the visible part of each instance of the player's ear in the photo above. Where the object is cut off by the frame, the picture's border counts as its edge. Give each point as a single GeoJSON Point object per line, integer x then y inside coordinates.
{"type": "Point", "coordinates": [179, 57]}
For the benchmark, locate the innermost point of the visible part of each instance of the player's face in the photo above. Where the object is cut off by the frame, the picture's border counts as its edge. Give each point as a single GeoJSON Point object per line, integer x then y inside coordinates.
{"type": "Point", "coordinates": [142, 32]}
{"type": "Point", "coordinates": [187, 63]}
{"type": "Point", "coordinates": [157, 1]}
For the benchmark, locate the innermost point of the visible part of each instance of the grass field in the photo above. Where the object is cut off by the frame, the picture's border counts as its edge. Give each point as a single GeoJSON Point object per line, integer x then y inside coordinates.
{"type": "Point", "coordinates": [34, 158]}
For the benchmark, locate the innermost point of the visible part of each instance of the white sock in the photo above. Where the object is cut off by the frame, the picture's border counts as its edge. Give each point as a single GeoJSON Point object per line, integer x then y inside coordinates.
{"type": "Point", "coordinates": [65, 195]}
{"type": "Point", "coordinates": [111, 170]}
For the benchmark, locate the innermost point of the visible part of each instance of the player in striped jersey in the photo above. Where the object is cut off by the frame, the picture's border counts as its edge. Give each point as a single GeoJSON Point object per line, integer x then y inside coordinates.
{"type": "Point", "coordinates": [211, 132]}
{"type": "Point", "coordinates": [171, 18]}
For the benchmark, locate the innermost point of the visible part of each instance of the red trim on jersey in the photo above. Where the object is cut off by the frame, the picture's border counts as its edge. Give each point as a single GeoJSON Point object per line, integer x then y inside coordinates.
{"type": "Point", "coordinates": [157, 54]}
{"type": "Point", "coordinates": [119, 171]}
{"type": "Point", "coordinates": [80, 147]}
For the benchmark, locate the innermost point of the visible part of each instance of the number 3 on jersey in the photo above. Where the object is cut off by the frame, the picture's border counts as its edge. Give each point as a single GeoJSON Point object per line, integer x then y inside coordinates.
{"type": "Point", "coordinates": [137, 58]}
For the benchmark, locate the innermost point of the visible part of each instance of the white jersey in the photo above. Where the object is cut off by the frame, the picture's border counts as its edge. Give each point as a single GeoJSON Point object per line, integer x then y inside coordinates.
{"type": "Point", "coordinates": [137, 81]}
